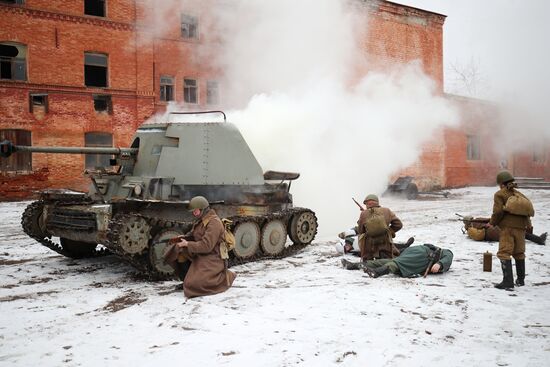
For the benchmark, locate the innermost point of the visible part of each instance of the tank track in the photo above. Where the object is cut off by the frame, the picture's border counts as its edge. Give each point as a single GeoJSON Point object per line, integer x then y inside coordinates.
{"type": "Point", "coordinates": [141, 261]}
{"type": "Point", "coordinates": [30, 228]}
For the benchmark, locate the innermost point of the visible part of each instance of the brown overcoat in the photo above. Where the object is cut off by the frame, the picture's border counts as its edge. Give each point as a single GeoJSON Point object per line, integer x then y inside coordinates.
{"type": "Point", "coordinates": [208, 273]}
{"type": "Point", "coordinates": [379, 248]}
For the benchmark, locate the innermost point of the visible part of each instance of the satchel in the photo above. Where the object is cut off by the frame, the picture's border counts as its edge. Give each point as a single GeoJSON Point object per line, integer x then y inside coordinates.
{"type": "Point", "coordinates": [518, 204]}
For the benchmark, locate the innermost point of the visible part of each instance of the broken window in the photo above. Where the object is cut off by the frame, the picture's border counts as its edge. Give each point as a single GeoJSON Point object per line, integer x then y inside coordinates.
{"type": "Point", "coordinates": [21, 161]}
{"type": "Point", "coordinates": [103, 140]}
{"type": "Point", "coordinates": [95, 70]}
{"type": "Point", "coordinates": [103, 103]}
{"type": "Point", "coordinates": [38, 102]}
{"type": "Point", "coordinates": [13, 61]}
{"type": "Point", "coordinates": [94, 7]}
{"type": "Point", "coordinates": [166, 88]}
{"type": "Point", "coordinates": [473, 149]}
{"type": "Point", "coordinates": [189, 27]}
{"type": "Point", "coordinates": [190, 91]}
{"type": "Point", "coordinates": [212, 92]}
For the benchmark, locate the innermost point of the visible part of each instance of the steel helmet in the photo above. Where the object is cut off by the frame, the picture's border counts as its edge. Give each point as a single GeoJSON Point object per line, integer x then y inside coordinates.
{"type": "Point", "coordinates": [371, 197]}
{"type": "Point", "coordinates": [198, 202]}
{"type": "Point", "coordinates": [504, 177]}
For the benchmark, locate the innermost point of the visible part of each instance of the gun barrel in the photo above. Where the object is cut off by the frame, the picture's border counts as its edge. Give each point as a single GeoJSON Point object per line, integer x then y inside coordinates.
{"type": "Point", "coordinates": [7, 149]}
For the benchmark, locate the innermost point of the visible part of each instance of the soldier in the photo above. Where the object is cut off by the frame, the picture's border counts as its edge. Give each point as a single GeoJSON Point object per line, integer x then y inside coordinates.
{"type": "Point", "coordinates": [349, 243]}
{"type": "Point", "coordinates": [413, 261]}
{"type": "Point", "coordinates": [477, 231]}
{"type": "Point", "coordinates": [376, 228]}
{"type": "Point", "coordinates": [511, 212]}
{"type": "Point", "coordinates": [208, 272]}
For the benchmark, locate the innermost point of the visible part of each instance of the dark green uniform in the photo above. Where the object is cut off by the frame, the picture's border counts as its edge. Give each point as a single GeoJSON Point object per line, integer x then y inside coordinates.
{"type": "Point", "coordinates": [414, 260]}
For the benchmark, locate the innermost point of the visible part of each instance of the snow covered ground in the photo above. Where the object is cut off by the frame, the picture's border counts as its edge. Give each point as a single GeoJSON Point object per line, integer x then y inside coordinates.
{"type": "Point", "coordinates": [303, 310]}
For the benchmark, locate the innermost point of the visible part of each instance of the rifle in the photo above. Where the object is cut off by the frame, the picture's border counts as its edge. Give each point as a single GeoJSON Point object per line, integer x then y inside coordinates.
{"type": "Point", "coordinates": [169, 240]}
{"type": "Point", "coordinates": [433, 256]}
{"type": "Point", "coordinates": [468, 218]}
{"type": "Point", "coordinates": [359, 205]}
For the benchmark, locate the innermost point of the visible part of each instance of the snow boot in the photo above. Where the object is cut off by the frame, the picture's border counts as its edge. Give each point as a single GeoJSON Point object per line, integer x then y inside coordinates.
{"type": "Point", "coordinates": [348, 265]}
{"type": "Point", "coordinates": [539, 240]}
{"type": "Point", "coordinates": [377, 272]}
{"type": "Point", "coordinates": [508, 277]}
{"type": "Point", "coordinates": [520, 272]}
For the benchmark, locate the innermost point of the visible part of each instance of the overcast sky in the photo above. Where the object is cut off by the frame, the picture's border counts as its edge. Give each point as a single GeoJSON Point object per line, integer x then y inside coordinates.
{"type": "Point", "coordinates": [505, 41]}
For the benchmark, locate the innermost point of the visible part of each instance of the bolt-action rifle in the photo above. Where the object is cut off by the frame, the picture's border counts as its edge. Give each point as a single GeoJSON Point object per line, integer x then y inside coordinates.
{"type": "Point", "coordinates": [359, 205]}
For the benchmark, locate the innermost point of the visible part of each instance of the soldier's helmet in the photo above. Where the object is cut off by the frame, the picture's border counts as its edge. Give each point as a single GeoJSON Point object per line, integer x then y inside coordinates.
{"type": "Point", "coordinates": [504, 177]}
{"type": "Point", "coordinates": [371, 197]}
{"type": "Point", "coordinates": [198, 202]}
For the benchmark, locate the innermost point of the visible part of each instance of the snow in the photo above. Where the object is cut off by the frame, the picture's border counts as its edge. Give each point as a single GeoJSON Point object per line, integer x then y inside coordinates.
{"type": "Point", "coordinates": [304, 310]}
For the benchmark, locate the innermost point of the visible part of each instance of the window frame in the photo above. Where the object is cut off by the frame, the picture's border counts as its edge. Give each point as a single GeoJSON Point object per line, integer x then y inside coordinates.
{"type": "Point", "coordinates": [187, 89]}
{"type": "Point", "coordinates": [32, 104]}
{"type": "Point", "coordinates": [22, 161]}
{"type": "Point", "coordinates": [209, 84]}
{"type": "Point", "coordinates": [15, 61]}
{"type": "Point", "coordinates": [191, 21]}
{"type": "Point", "coordinates": [473, 147]}
{"type": "Point", "coordinates": [164, 84]}
{"type": "Point", "coordinates": [95, 64]}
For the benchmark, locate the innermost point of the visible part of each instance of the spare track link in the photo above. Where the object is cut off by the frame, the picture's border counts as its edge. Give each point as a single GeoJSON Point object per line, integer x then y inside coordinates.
{"type": "Point", "coordinates": [288, 251]}
{"type": "Point", "coordinates": [28, 228]}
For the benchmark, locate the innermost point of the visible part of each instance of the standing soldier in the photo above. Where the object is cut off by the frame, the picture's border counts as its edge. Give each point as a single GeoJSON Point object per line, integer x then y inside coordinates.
{"type": "Point", "coordinates": [511, 212]}
{"type": "Point", "coordinates": [376, 229]}
{"type": "Point", "coordinates": [208, 272]}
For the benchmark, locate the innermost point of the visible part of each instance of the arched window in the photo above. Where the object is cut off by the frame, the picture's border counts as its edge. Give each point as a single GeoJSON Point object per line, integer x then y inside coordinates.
{"type": "Point", "coordinates": [13, 61]}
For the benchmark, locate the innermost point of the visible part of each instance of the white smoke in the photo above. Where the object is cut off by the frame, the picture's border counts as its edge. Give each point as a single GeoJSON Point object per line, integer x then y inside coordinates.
{"type": "Point", "coordinates": [293, 83]}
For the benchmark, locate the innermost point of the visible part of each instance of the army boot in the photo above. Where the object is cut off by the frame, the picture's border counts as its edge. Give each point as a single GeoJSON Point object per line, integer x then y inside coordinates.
{"type": "Point", "coordinates": [520, 272]}
{"type": "Point", "coordinates": [402, 246]}
{"type": "Point", "coordinates": [540, 240]}
{"type": "Point", "coordinates": [377, 272]}
{"type": "Point", "coordinates": [508, 276]}
{"type": "Point", "coordinates": [348, 265]}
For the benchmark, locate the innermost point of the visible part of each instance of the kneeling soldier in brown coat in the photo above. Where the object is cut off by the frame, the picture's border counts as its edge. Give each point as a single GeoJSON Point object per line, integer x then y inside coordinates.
{"type": "Point", "coordinates": [208, 272]}
{"type": "Point", "coordinates": [511, 212]}
{"type": "Point", "coordinates": [376, 228]}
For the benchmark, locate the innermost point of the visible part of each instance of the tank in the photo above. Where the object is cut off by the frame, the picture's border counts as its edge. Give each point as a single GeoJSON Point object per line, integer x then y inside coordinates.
{"type": "Point", "coordinates": [134, 208]}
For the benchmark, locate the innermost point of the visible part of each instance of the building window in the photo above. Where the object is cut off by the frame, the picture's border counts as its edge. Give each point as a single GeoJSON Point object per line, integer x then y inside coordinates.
{"type": "Point", "coordinates": [538, 153]}
{"type": "Point", "coordinates": [103, 103]}
{"type": "Point", "coordinates": [189, 27]}
{"type": "Point", "coordinates": [473, 149]}
{"type": "Point", "coordinates": [21, 161]}
{"type": "Point", "coordinates": [190, 91]}
{"type": "Point", "coordinates": [166, 88]}
{"type": "Point", "coordinates": [94, 7]}
{"type": "Point", "coordinates": [212, 92]}
{"type": "Point", "coordinates": [38, 102]}
{"type": "Point", "coordinates": [16, 2]}
{"type": "Point", "coordinates": [95, 70]}
{"type": "Point", "coordinates": [13, 61]}
{"type": "Point", "coordinates": [103, 140]}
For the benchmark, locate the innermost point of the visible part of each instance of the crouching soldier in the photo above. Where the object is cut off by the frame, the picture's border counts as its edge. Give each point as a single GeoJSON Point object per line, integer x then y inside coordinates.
{"type": "Point", "coordinates": [413, 261]}
{"type": "Point", "coordinates": [376, 228]}
{"type": "Point", "coordinates": [207, 272]}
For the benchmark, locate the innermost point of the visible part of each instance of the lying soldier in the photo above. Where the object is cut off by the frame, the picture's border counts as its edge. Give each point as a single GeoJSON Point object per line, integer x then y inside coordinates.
{"type": "Point", "coordinates": [413, 261]}
{"type": "Point", "coordinates": [476, 229]}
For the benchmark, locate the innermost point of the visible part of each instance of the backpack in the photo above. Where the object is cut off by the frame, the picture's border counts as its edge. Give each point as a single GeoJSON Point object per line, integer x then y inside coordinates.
{"type": "Point", "coordinates": [518, 204]}
{"type": "Point", "coordinates": [228, 239]}
{"type": "Point", "coordinates": [375, 223]}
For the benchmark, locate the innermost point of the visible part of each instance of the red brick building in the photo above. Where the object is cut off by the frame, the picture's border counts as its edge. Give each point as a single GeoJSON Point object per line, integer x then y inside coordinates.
{"type": "Point", "coordinates": [88, 72]}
